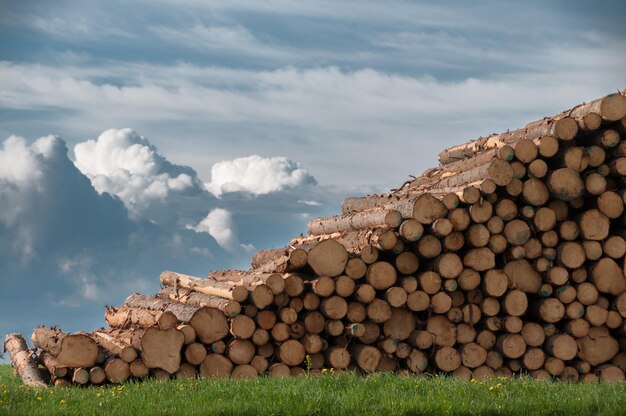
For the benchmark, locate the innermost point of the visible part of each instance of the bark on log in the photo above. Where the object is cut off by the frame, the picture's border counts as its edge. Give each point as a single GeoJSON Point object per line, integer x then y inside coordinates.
{"type": "Point", "coordinates": [127, 317]}
{"type": "Point", "coordinates": [211, 287]}
{"type": "Point", "coordinates": [560, 126]}
{"type": "Point", "coordinates": [52, 365]}
{"type": "Point", "coordinates": [250, 279]}
{"type": "Point", "coordinates": [230, 308]}
{"type": "Point", "coordinates": [112, 345]}
{"type": "Point", "coordinates": [209, 323]}
{"type": "Point", "coordinates": [355, 221]}
{"type": "Point", "coordinates": [71, 350]}
{"type": "Point", "coordinates": [609, 108]}
{"type": "Point", "coordinates": [22, 360]}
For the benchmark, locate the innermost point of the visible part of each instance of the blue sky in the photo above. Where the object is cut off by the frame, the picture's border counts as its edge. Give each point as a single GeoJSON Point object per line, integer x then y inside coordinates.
{"type": "Point", "coordinates": [188, 134]}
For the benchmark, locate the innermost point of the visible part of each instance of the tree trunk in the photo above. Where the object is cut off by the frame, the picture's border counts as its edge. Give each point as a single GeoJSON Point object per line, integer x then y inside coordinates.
{"type": "Point", "coordinates": [229, 307]}
{"type": "Point", "coordinates": [209, 323]}
{"type": "Point", "coordinates": [560, 126]}
{"type": "Point", "coordinates": [127, 317]}
{"type": "Point", "coordinates": [112, 345]}
{"type": "Point", "coordinates": [70, 350]}
{"type": "Point", "coordinates": [250, 279]}
{"type": "Point", "coordinates": [22, 360]}
{"type": "Point", "coordinates": [52, 365]}
{"type": "Point", "coordinates": [211, 287]}
{"type": "Point", "coordinates": [355, 221]}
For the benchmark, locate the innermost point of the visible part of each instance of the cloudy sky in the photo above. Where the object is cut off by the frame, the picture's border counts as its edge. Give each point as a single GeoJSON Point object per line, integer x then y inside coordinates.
{"type": "Point", "coordinates": [150, 135]}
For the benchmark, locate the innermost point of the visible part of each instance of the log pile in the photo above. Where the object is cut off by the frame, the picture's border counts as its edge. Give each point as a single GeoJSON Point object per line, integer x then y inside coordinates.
{"type": "Point", "coordinates": [507, 258]}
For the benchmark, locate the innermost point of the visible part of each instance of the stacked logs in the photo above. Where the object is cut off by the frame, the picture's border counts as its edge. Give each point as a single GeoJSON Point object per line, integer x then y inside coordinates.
{"type": "Point", "coordinates": [508, 258]}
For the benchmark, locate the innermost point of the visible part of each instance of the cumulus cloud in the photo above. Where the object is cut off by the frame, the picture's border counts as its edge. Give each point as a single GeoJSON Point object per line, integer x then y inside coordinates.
{"type": "Point", "coordinates": [257, 175]}
{"type": "Point", "coordinates": [72, 239]}
{"type": "Point", "coordinates": [125, 164]}
{"type": "Point", "coordinates": [66, 249]}
{"type": "Point", "coordinates": [220, 225]}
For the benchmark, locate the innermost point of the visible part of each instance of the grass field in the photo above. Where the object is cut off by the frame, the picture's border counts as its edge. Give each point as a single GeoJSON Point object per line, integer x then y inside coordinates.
{"type": "Point", "coordinates": [347, 394]}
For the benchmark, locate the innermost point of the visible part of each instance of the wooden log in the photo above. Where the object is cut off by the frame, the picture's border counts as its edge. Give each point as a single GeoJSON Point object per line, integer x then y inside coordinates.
{"type": "Point", "coordinates": [241, 351]}
{"type": "Point", "coordinates": [549, 309]}
{"type": "Point", "coordinates": [114, 346]}
{"type": "Point", "coordinates": [381, 275]}
{"type": "Point", "coordinates": [609, 108]}
{"type": "Point", "coordinates": [209, 323]}
{"type": "Point", "coordinates": [447, 359]}
{"type": "Point", "coordinates": [250, 279]}
{"type": "Point", "coordinates": [400, 324]}
{"type": "Point", "coordinates": [411, 230]}
{"type": "Point", "coordinates": [473, 355]}
{"type": "Point", "coordinates": [216, 366]}
{"type": "Point", "coordinates": [511, 345]}
{"type": "Point", "coordinates": [323, 286]}
{"type": "Point", "coordinates": [366, 357]}
{"type": "Point", "coordinates": [479, 259]}
{"type": "Point", "coordinates": [159, 348]}
{"type": "Point", "coordinates": [515, 303]}
{"type": "Point", "coordinates": [355, 221]}
{"type": "Point", "coordinates": [418, 301]}
{"type": "Point", "coordinates": [560, 126]}
{"type": "Point", "coordinates": [429, 246]}
{"type": "Point", "coordinates": [610, 204]}
{"type": "Point", "coordinates": [561, 346]}
{"type": "Point", "coordinates": [52, 365]}
{"type": "Point", "coordinates": [22, 360]}
{"type": "Point", "coordinates": [186, 371]}
{"type": "Point", "coordinates": [334, 307]}
{"type": "Point", "coordinates": [608, 277]}
{"type": "Point", "coordinates": [469, 279]}
{"type": "Point", "coordinates": [211, 287]}
{"type": "Point", "coordinates": [495, 282]}
{"type": "Point", "coordinates": [522, 276]}
{"type": "Point", "coordinates": [566, 184]}
{"type": "Point", "coordinates": [127, 317]}
{"type": "Point", "coordinates": [356, 268]}
{"type": "Point", "coordinates": [396, 296]}
{"type": "Point", "coordinates": [291, 352]}
{"type": "Point", "coordinates": [138, 369]}
{"type": "Point", "coordinates": [597, 347]}
{"type": "Point", "coordinates": [610, 374]}
{"type": "Point", "coordinates": [229, 307]}
{"type": "Point", "coordinates": [594, 225]}
{"type": "Point", "coordinates": [71, 350]}
{"type": "Point", "coordinates": [195, 353]}
{"type": "Point", "coordinates": [80, 376]}
{"type": "Point", "coordinates": [407, 263]}
{"type": "Point", "coordinates": [294, 285]}
{"type": "Point", "coordinates": [97, 375]}
{"type": "Point", "coordinates": [117, 371]}
{"type": "Point", "coordinates": [279, 260]}
{"type": "Point", "coordinates": [328, 258]}
{"type": "Point", "coordinates": [260, 364]}
{"type": "Point", "coordinates": [443, 330]}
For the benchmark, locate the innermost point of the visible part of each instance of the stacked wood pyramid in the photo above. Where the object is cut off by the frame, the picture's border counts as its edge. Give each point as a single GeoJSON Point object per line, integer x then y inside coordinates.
{"type": "Point", "coordinates": [507, 258]}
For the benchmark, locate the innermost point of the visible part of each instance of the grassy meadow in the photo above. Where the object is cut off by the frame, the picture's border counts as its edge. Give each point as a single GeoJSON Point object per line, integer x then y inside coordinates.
{"type": "Point", "coordinates": [378, 394]}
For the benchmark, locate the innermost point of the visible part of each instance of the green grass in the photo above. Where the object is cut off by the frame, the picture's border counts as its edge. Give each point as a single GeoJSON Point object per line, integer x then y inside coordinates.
{"type": "Point", "coordinates": [346, 394]}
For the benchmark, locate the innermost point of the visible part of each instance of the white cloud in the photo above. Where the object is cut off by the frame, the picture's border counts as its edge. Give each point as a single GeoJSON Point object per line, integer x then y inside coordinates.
{"type": "Point", "coordinates": [321, 116]}
{"type": "Point", "coordinates": [125, 164]}
{"type": "Point", "coordinates": [257, 175]}
{"type": "Point", "coordinates": [230, 40]}
{"type": "Point", "coordinates": [23, 179]}
{"type": "Point", "coordinates": [220, 225]}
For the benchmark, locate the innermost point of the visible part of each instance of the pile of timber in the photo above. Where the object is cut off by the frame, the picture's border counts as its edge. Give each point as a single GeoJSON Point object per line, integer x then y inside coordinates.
{"type": "Point", "coordinates": [508, 258]}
